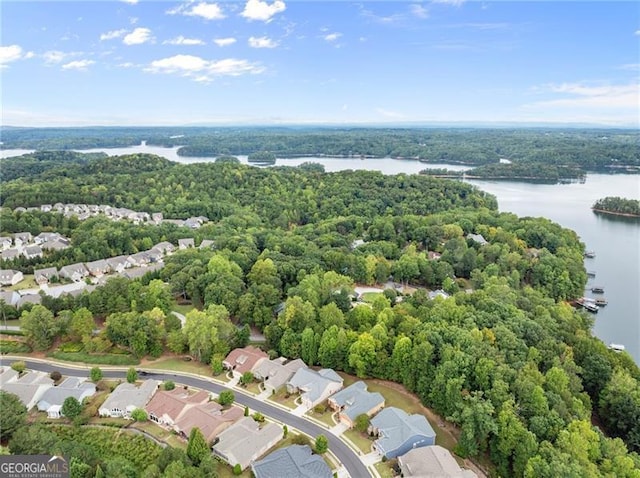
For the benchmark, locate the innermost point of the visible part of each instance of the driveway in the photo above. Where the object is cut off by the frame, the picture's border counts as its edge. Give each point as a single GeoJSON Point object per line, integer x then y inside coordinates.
{"type": "Point", "coordinates": [351, 462]}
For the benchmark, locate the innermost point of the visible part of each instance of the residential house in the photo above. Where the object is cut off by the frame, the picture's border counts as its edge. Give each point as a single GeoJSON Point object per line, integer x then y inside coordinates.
{"type": "Point", "coordinates": [10, 277]}
{"type": "Point", "coordinates": [29, 388]}
{"type": "Point", "coordinates": [118, 264]}
{"type": "Point", "coordinates": [399, 432]}
{"type": "Point", "coordinates": [53, 399]}
{"type": "Point", "coordinates": [433, 256]}
{"type": "Point", "coordinates": [186, 243]}
{"type": "Point", "coordinates": [154, 255]}
{"type": "Point", "coordinates": [44, 276]}
{"type": "Point", "coordinates": [5, 243]}
{"type": "Point", "coordinates": [275, 374]}
{"type": "Point", "coordinates": [295, 461]}
{"type": "Point", "coordinates": [33, 299]}
{"type": "Point", "coordinates": [126, 398]}
{"type": "Point", "coordinates": [210, 418]}
{"type": "Point", "coordinates": [46, 237]}
{"type": "Point", "coordinates": [245, 441]}
{"type": "Point", "coordinates": [157, 217]}
{"type": "Point", "coordinates": [431, 461]}
{"type": "Point", "coordinates": [355, 400]}
{"type": "Point", "coordinates": [139, 259]}
{"type": "Point", "coordinates": [7, 374]}
{"type": "Point", "coordinates": [478, 239]}
{"type": "Point", "coordinates": [9, 254]}
{"type": "Point", "coordinates": [244, 360]}
{"type": "Point", "coordinates": [165, 247]}
{"type": "Point", "coordinates": [22, 238]}
{"type": "Point", "coordinates": [74, 272]}
{"type": "Point", "coordinates": [206, 244]}
{"type": "Point", "coordinates": [31, 252]}
{"type": "Point", "coordinates": [56, 245]}
{"type": "Point", "coordinates": [20, 209]}
{"type": "Point", "coordinates": [10, 297]}
{"type": "Point", "coordinates": [98, 268]}
{"type": "Point", "coordinates": [357, 243]}
{"type": "Point", "coordinates": [137, 272]}
{"type": "Point", "coordinates": [46, 207]}
{"type": "Point", "coordinates": [167, 406]}
{"type": "Point", "coordinates": [313, 386]}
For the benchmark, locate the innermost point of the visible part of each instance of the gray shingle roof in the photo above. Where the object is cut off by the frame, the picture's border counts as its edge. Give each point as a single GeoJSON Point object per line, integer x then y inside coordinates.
{"type": "Point", "coordinates": [128, 395]}
{"type": "Point", "coordinates": [431, 462]}
{"type": "Point", "coordinates": [275, 373]}
{"type": "Point", "coordinates": [71, 387]}
{"type": "Point", "coordinates": [314, 383]}
{"type": "Point", "coordinates": [295, 461]}
{"type": "Point", "coordinates": [396, 427]}
{"type": "Point", "coordinates": [356, 400]}
{"type": "Point", "coordinates": [244, 441]}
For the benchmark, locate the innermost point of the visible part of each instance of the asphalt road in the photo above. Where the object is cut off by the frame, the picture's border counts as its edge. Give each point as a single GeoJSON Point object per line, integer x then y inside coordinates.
{"type": "Point", "coordinates": [341, 450]}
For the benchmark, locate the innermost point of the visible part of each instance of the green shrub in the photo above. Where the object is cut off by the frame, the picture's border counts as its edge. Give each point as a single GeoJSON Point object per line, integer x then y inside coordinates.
{"type": "Point", "coordinates": [169, 385]}
{"type": "Point", "coordinates": [258, 417]}
{"type": "Point", "coordinates": [226, 397]}
{"type": "Point", "coordinates": [71, 347]}
{"type": "Point", "coordinates": [132, 375]}
{"type": "Point", "coordinates": [13, 347]}
{"type": "Point", "coordinates": [237, 469]}
{"type": "Point", "coordinates": [19, 366]}
{"type": "Point", "coordinates": [95, 374]}
{"type": "Point", "coordinates": [55, 375]}
{"type": "Point", "coordinates": [139, 415]}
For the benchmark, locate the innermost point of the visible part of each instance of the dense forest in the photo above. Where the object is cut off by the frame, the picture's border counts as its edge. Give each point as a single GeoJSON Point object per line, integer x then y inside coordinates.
{"type": "Point", "coordinates": [523, 171]}
{"type": "Point", "coordinates": [607, 150]}
{"type": "Point", "coordinates": [505, 358]}
{"type": "Point", "coordinates": [618, 205]}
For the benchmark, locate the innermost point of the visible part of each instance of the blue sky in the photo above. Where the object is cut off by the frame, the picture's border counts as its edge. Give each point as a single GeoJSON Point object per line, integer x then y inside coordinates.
{"type": "Point", "coordinates": [297, 61]}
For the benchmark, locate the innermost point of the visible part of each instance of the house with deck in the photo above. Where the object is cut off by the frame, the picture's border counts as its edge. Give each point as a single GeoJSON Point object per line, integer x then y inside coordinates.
{"type": "Point", "coordinates": [275, 374]}
{"type": "Point", "coordinates": [245, 441]}
{"type": "Point", "coordinates": [44, 276]}
{"type": "Point", "coordinates": [98, 268]}
{"type": "Point", "coordinates": [10, 277]}
{"type": "Point", "coordinates": [167, 406]}
{"type": "Point", "coordinates": [127, 397]}
{"type": "Point", "coordinates": [210, 418]}
{"type": "Point", "coordinates": [355, 400]}
{"type": "Point", "coordinates": [31, 252]}
{"type": "Point", "coordinates": [244, 359]}
{"type": "Point", "coordinates": [74, 272]}
{"type": "Point", "coordinates": [118, 264]}
{"type": "Point", "coordinates": [314, 386]}
{"type": "Point", "coordinates": [398, 432]}
{"type": "Point", "coordinates": [53, 399]}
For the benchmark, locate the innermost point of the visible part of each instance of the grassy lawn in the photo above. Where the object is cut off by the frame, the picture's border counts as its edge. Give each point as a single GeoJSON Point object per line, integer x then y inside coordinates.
{"type": "Point", "coordinates": [253, 387]}
{"type": "Point", "coordinates": [161, 434]}
{"type": "Point", "coordinates": [27, 283]}
{"type": "Point", "coordinates": [369, 296]}
{"type": "Point", "coordinates": [283, 398]}
{"type": "Point", "coordinates": [111, 422]}
{"type": "Point", "coordinates": [180, 365]}
{"type": "Point", "coordinates": [385, 469]}
{"type": "Point", "coordinates": [362, 441]}
{"type": "Point", "coordinates": [225, 471]}
{"type": "Point", "coordinates": [325, 417]}
{"type": "Point", "coordinates": [182, 308]}
{"type": "Point", "coordinates": [11, 322]}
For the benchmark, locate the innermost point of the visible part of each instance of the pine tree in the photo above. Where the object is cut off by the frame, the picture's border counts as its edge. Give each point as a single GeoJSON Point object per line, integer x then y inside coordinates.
{"type": "Point", "coordinates": [197, 447]}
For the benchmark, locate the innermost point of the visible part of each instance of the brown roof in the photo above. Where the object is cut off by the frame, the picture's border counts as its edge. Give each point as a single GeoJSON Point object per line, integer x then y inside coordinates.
{"type": "Point", "coordinates": [174, 402]}
{"type": "Point", "coordinates": [209, 419]}
{"type": "Point", "coordinates": [243, 360]}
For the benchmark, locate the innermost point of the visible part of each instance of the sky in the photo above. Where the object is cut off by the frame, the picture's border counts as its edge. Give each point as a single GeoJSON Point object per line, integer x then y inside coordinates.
{"type": "Point", "coordinates": [139, 62]}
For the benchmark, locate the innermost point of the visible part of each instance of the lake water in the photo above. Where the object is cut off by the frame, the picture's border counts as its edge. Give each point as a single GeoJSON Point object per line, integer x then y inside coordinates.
{"type": "Point", "coordinates": [616, 241]}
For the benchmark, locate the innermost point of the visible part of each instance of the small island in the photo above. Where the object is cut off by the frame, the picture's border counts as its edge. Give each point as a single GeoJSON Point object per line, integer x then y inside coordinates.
{"type": "Point", "coordinates": [617, 206]}
{"type": "Point", "coordinates": [528, 172]}
{"type": "Point", "coordinates": [264, 157]}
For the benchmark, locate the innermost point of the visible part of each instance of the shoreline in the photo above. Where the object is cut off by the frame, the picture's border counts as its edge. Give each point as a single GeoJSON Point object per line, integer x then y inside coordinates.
{"type": "Point", "coordinates": [614, 213]}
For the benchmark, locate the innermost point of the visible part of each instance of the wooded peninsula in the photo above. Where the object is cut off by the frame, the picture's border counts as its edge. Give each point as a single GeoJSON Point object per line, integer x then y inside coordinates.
{"type": "Point", "coordinates": [618, 206]}
{"type": "Point", "coordinates": [505, 357]}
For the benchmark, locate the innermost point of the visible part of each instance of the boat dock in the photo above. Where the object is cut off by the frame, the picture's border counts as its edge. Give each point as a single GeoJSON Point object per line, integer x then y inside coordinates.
{"type": "Point", "coordinates": [588, 304]}
{"type": "Point", "coordinates": [589, 254]}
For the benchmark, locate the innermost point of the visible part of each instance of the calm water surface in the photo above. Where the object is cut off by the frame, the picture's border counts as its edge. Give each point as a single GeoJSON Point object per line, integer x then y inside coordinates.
{"type": "Point", "coordinates": [616, 241]}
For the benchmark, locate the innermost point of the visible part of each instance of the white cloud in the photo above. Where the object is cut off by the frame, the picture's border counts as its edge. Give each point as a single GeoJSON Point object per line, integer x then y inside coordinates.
{"type": "Point", "coordinates": [631, 67]}
{"type": "Point", "coordinates": [78, 65]}
{"type": "Point", "coordinates": [130, 2]}
{"type": "Point", "coordinates": [10, 53]}
{"type": "Point", "coordinates": [224, 41]}
{"type": "Point", "coordinates": [637, 33]}
{"type": "Point", "coordinates": [202, 70]}
{"type": "Point", "coordinates": [597, 100]}
{"type": "Point", "coordinates": [262, 42]}
{"type": "Point", "coordinates": [112, 34]}
{"type": "Point", "coordinates": [262, 10]}
{"type": "Point", "coordinates": [180, 40]}
{"type": "Point", "coordinates": [389, 114]}
{"type": "Point", "coordinates": [127, 64]}
{"type": "Point", "coordinates": [418, 10]}
{"type": "Point", "coordinates": [208, 11]}
{"type": "Point", "coordinates": [331, 37]}
{"type": "Point", "coordinates": [453, 3]}
{"type": "Point", "coordinates": [138, 37]}
{"type": "Point", "coordinates": [53, 57]}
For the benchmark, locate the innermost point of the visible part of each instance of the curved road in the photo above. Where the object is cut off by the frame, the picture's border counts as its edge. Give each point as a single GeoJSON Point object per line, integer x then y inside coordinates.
{"type": "Point", "coordinates": [341, 450]}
